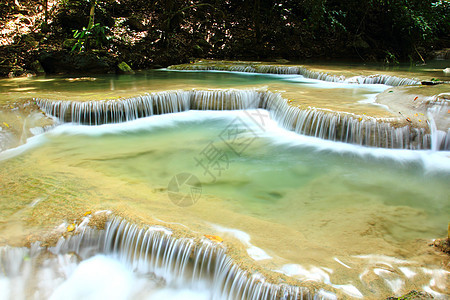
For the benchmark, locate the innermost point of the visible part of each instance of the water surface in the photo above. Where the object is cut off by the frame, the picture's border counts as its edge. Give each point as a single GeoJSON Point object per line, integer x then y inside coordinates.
{"type": "Point", "coordinates": [305, 92]}
{"type": "Point", "coordinates": [312, 209]}
{"type": "Point", "coordinates": [301, 200]}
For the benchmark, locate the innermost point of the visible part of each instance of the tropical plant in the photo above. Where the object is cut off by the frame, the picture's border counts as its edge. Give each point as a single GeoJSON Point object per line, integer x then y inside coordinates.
{"type": "Point", "coordinates": [95, 33]}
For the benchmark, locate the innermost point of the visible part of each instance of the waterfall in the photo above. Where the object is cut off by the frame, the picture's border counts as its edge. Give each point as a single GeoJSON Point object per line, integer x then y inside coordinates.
{"type": "Point", "coordinates": [123, 110]}
{"type": "Point", "coordinates": [324, 124]}
{"type": "Point", "coordinates": [438, 139]}
{"type": "Point", "coordinates": [298, 70]}
{"type": "Point", "coordinates": [116, 111]}
{"type": "Point", "coordinates": [154, 251]}
{"type": "Point", "coordinates": [345, 127]}
{"type": "Point", "coordinates": [225, 99]}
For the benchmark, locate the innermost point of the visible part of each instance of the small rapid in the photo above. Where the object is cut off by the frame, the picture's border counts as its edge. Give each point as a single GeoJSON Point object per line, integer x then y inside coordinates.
{"type": "Point", "coordinates": [298, 70]}
{"type": "Point", "coordinates": [123, 252]}
{"type": "Point", "coordinates": [320, 123]}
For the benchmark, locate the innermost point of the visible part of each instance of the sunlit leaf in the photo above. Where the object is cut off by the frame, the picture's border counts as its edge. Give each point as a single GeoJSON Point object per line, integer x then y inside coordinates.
{"type": "Point", "coordinates": [214, 238]}
{"type": "Point", "coordinates": [71, 227]}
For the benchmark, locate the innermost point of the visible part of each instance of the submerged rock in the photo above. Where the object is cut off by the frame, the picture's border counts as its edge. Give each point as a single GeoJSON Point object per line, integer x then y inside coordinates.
{"type": "Point", "coordinates": [21, 121]}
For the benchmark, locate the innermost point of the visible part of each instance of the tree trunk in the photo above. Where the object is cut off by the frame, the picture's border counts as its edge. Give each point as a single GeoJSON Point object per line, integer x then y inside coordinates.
{"type": "Point", "coordinates": [91, 14]}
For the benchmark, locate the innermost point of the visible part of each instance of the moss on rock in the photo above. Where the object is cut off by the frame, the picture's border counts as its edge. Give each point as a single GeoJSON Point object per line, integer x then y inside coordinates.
{"type": "Point", "coordinates": [124, 68]}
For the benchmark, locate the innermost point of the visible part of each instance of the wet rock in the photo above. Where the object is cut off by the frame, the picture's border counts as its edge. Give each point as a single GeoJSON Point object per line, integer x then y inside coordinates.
{"type": "Point", "coordinates": [442, 244]}
{"type": "Point", "coordinates": [66, 63]}
{"type": "Point", "coordinates": [124, 68]}
{"type": "Point", "coordinates": [413, 295]}
{"type": "Point", "coordinates": [37, 67]}
{"type": "Point", "coordinates": [431, 82]}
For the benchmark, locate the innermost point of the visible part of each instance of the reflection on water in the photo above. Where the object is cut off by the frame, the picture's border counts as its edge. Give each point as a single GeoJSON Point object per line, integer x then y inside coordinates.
{"type": "Point", "coordinates": [303, 201]}
{"type": "Point", "coordinates": [102, 86]}
{"type": "Point", "coordinates": [106, 86]}
{"type": "Point", "coordinates": [305, 92]}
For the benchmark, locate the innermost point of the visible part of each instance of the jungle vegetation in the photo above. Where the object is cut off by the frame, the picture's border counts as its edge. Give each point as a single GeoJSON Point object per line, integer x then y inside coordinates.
{"type": "Point", "coordinates": [146, 34]}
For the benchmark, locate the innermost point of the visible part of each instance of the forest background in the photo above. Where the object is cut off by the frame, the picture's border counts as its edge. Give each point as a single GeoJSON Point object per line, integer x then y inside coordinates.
{"type": "Point", "coordinates": [104, 36]}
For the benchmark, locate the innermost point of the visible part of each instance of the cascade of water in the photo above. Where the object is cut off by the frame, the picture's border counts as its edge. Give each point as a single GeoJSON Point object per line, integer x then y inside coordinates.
{"type": "Point", "coordinates": [225, 99]}
{"type": "Point", "coordinates": [123, 110]}
{"type": "Point", "coordinates": [300, 70]}
{"type": "Point", "coordinates": [181, 262]}
{"type": "Point", "coordinates": [324, 124]}
{"type": "Point", "coordinates": [438, 139]}
{"type": "Point", "coordinates": [116, 111]}
{"type": "Point", "coordinates": [343, 127]}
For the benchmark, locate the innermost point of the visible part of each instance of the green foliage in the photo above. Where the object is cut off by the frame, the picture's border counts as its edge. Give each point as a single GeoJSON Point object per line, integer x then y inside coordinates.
{"type": "Point", "coordinates": [336, 18]}
{"type": "Point", "coordinates": [173, 31]}
{"type": "Point", "coordinates": [97, 34]}
{"type": "Point", "coordinates": [92, 36]}
{"type": "Point", "coordinates": [386, 30]}
{"type": "Point", "coordinates": [124, 68]}
{"type": "Point", "coordinates": [390, 59]}
{"type": "Point", "coordinates": [74, 14]}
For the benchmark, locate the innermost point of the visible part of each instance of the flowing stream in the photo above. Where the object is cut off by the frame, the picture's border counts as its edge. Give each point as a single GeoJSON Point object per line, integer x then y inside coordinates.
{"type": "Point", "coordinates": [304, 214]}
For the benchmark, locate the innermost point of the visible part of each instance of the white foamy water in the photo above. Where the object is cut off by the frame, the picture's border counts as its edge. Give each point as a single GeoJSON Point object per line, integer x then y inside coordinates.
{"type": "Point", "coordinates": [320, 275]}
{"type": "Point", "coordinates": [430, 160]}
{"type": "Point", "coordinates": [294, 70]}
{"type": "Point", "coordinates": [274, 149]}
{"type": "Point", "coordinates": [99, 277]}
{"type": "Point", "coordinates": [253, 251]}
{"type": "Point", "coordinates": [322, 123]}
{"type": "Point", "coordinates": [376, 88]}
